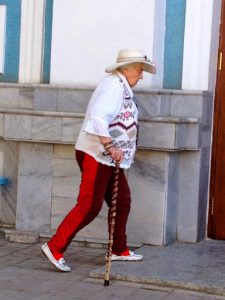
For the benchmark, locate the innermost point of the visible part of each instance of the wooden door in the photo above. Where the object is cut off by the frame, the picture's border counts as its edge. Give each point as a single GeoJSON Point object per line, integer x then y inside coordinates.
{"type": "Point", "coordinates": [216, 227]}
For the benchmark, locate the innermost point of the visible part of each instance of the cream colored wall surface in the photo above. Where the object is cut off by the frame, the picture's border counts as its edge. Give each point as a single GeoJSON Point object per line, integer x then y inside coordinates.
{"type": "Point", "coordinates": [32, 21]}
{"type": "Point", "coordinates": [197, 42]}
{"type": "Point", "coordinates": [88, 34]}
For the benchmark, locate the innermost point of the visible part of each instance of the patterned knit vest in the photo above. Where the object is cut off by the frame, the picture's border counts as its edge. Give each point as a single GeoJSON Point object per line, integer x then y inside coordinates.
{"type": "Point", "coordinates": [124, 127]}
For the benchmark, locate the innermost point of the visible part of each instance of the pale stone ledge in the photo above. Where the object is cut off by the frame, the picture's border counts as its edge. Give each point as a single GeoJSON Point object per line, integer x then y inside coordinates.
{"type": "Point", "coordinates": [173, 133]}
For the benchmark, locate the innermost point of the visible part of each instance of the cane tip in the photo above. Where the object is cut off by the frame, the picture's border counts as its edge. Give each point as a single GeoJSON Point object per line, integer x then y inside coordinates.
{"type": "Point", "coordinates": [106, 283]}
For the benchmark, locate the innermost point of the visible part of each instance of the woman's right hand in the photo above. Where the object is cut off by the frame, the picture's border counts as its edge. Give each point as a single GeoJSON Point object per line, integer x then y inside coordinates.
{"type": "Point", "coordinates": [116, 154]}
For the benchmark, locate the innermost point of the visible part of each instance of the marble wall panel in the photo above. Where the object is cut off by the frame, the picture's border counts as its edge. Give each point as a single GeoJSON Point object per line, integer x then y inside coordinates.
{"type": "Point", "coordinates": [207, 109]}
{"type": "Point", "coordinates": [65, 168]}
{"type": "Point", "coordinates": [193, 138]}
{"type": "Point", "coordinates": [150, 166]}
{"type": "Point", "coordinates": [147, 180]}
{"type": "Point", "coordinates": [46, 128]}
{"type": "Point", "coordinates": [171, 208]}
{"type": "Point", "coordinates": [165, 137]}
{"type": "Point", "coordinates": [148, 105]}
{"type": "Point", "coordinates": [66, 178]}
{"type": "Point", "coordinates": [186, 106]}
{"type": "Point", "coordinates": [26, 98]}
{"type": "Point", "coordinates": [9, 97]}
{"type": "Point", "coordinates": [64, 187]}
{"type": "Point", "coordinates": [45, 99]}
{"type": "Point", "coordinates": [181, 136]}
{"type": "Point", "coordinates": [73, 100]}
{"type": "Point", "coordinates": [2, 119]}
{"type": "Point", "coordinates": [203, 199]}
{"type": "Point", "coordinates": [188, 207]}
{"type": "Point", "coordinates": [34, 187]}
{"type": "Point", "coordinates": [64, 151]}
{"type": "Point", "coordinates": [145, 223]}
{"type": "Point", "coordinates": [70, 129]}
{"type": "Point", "coordinates": [165, 102]}
{"type": "Point", "coordinates": [187, 136]}
{"type": "Point", "coordinates": [18, 127]}
{"type": "Point", "coordinates": [205, 138]}
{"type": "Point", "coordinates": [9, 169]}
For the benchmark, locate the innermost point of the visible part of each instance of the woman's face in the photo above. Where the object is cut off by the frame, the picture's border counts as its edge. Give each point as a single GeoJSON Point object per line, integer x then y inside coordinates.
{"type": "Point", "coordinates": [133, 74]}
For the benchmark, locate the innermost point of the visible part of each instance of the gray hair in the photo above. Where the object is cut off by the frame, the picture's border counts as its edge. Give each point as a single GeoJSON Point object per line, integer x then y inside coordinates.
{"type": "Point", "coordinates": [129, 66]}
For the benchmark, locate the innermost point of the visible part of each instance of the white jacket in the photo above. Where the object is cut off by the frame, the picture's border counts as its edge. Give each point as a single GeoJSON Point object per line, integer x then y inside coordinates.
{"type": "Point", "coordinates": [111, 112]}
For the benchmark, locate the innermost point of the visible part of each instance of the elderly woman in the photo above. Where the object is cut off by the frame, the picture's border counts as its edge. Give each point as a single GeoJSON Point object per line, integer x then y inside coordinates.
{"type": "Point", "coordinates": [108, 136]}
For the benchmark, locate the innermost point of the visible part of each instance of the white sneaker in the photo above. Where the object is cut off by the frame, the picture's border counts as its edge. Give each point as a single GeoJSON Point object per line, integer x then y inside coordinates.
{"type": "Point", "coordinates": [127, 256]}
{"type": "Point", "coordinates": [59, 264]}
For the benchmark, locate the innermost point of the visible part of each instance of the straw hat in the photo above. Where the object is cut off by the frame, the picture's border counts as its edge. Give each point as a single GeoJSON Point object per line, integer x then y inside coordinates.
{"type": "Point", "coordinates": [126, 57]}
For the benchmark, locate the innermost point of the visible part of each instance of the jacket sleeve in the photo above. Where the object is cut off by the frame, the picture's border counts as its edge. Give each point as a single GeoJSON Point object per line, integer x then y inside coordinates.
{"type": "Point", "coordinates": [106, 105]}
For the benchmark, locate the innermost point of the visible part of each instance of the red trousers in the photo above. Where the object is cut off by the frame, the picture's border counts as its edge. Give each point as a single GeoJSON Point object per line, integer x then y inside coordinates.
{"type": "Point", "coordinates": [96, 185]}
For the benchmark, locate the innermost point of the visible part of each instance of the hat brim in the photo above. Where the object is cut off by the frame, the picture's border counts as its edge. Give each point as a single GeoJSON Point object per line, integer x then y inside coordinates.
{"type": "Point", "coordinates": [147, 67]}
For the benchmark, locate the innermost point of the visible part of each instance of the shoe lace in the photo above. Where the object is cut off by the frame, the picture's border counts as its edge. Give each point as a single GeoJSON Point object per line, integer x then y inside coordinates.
{"type": "Point", "coordinates": [62, 262]}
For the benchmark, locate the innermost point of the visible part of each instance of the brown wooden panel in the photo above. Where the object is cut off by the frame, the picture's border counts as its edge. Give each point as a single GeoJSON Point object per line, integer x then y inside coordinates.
{"type": "Point", "coordinates": [216, 228]}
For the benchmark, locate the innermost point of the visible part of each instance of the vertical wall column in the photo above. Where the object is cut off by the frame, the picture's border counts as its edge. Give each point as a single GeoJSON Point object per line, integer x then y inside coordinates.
{"type": "Point", "coordinates": [197, 39]}
{"type": "Point", "coordinates": [31, 43]}
{"type": "Point", "coordinates": [159, 43]}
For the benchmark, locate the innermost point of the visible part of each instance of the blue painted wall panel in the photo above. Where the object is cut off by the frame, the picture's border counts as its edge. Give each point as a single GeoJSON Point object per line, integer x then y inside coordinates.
{"type": "Point", "coordinates": [47, 41]}
{"type": "Point", "coordinates": [12, 46]}
{"type": "Point", "coordinates": [174, 43]}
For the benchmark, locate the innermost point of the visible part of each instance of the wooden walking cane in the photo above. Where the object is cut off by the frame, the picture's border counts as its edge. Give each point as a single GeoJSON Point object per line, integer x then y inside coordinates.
{"type": "Point", "coordinates": [112, 217]}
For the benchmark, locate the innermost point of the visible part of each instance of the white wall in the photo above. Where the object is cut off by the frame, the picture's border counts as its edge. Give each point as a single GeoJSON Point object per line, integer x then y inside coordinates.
{"type": "Point", "coordinates": [87, 35]}
{"type": "Point", "coordinates": [159, 42]}
{"type": "Point", "coordinates": [31, 41]}
{"type": "Point", "coordinates": [197, 41]}
{"type": "Point", "coordinates": [2, 36]}
{"type": "Point", "coordinates": [214, 44]}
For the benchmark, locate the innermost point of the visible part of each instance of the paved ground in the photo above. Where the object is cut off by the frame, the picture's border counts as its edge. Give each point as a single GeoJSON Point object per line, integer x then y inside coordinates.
{"type": "Point", "coordinates": [25, 274]}
{"type": "Point", "coordinates": [199, 267]}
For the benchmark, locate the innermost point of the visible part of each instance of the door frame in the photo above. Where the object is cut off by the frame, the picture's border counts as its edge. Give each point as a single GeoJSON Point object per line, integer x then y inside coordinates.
{"type": "Point", "coordinates": [220, 59]}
